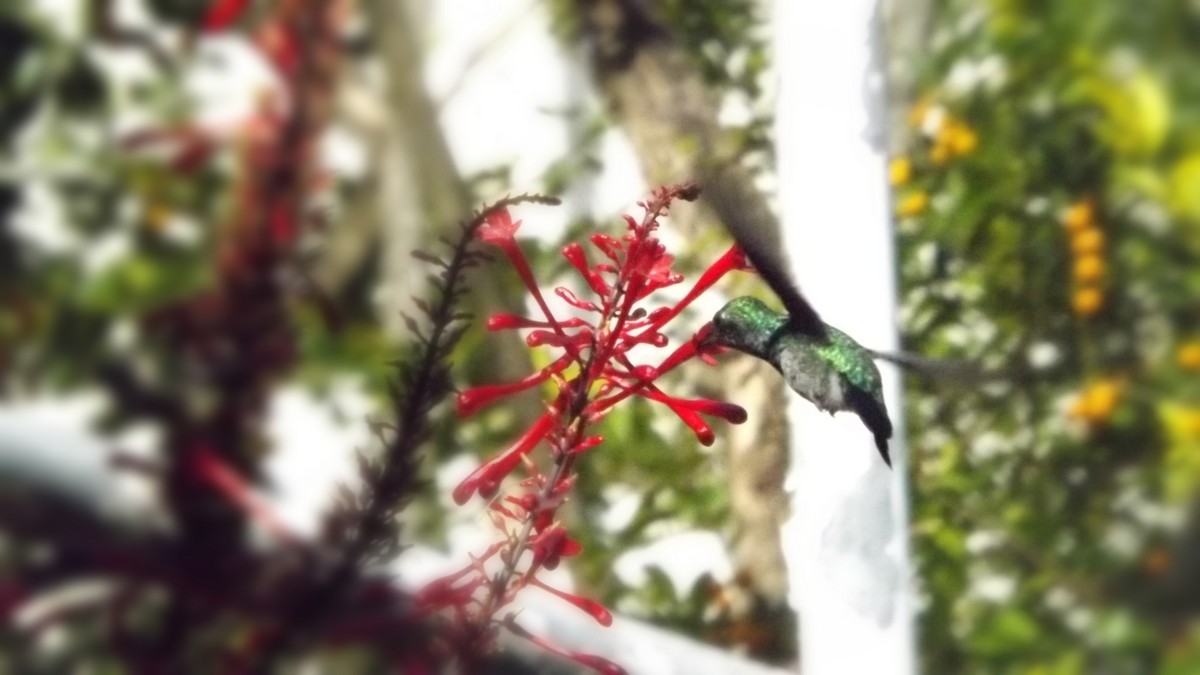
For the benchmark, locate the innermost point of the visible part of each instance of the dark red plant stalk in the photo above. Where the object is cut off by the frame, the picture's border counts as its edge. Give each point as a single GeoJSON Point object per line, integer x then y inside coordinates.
{"type": "Point", "coordinates": [594, 372]}
{"type": "Point", "coordinates": [235, 339]}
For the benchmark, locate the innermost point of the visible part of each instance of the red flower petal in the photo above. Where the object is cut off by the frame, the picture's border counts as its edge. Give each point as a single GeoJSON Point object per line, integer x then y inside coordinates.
{"type": "Point", "coordinates": [498, 226]}
{"type": "Point", "coordinates": [609, 246]}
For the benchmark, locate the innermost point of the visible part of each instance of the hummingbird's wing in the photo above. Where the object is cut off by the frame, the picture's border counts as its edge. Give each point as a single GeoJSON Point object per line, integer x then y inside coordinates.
{"type": "Point", "coordinates": [962, 372]}
{"type": "Point", "coordinates": [764, 252]}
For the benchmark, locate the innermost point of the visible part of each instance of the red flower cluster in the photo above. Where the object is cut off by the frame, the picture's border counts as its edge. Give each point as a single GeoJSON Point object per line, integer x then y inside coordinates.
{"type": "Point", "coordinates": [593, 374]}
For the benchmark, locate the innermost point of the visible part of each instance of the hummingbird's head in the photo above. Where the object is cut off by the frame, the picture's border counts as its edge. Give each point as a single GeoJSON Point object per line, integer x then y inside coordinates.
{"type": "Point", "coordinates": [746, 324]}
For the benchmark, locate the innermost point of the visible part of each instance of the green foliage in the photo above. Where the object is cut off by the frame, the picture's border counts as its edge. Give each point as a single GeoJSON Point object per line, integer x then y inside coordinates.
{"type": "Point", "coordinates": [1040, 236]}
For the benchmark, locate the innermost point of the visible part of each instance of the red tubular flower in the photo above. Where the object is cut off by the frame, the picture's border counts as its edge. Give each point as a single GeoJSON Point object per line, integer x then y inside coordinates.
{"type": "Point", "coordinates": [502, 321]}
{"type": "Point", "coordinates": [574, 301]}
{"type": "Point", "coordinates": [487, 477]}
{"type": "Point", "coordinates": [616, 319]}
{"type": "Point", "coordinates": [733, 259]}
{"type": "Point", "coordinates": [500, 230]}
{"type": "Point", "coordinates": [210, 468]}
{"type": "Point", "coordinates": [597, 611]}
{"type": "Point", "coordinates": [446, 591]}
{"type": "Point", "coordinates": [470, 401]}
{"type": "Point", "coordinates": [596, 663]}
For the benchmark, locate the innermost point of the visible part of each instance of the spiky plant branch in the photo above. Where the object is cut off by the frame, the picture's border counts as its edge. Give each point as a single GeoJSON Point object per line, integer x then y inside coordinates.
{"type": "Point", "coordinates": [422, 381]}
{"type": "Point", "coordinates": [363, 530]}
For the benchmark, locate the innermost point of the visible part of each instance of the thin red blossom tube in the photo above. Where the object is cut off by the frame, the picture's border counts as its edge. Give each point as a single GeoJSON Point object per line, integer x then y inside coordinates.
{"type": "Point", "coordinates": [573, 300]}
{"type": "Point", "coordinates": [471, 401]}
{"type": "Point", "coordinates": [594, 609]}
{"type": "Point", "coordinates": [647, 374]}
{"type": "Point", "coordinates": [732, 259]}
{"type": "Point", "coordinates": [213, 470]}
{"type": "Point", "coordinates": [574, 344]}
{"type": "Point", "coordinates": [692, 419]}
{"type": "Point", "coordinates": [489, 475]}
{"type": "Point", "coordinates": [645, 387]}
{"type": "Point", "coordinates": [503, 321]}
{"type": "Point", "coordinates": [437, 591]}
{"type": "Point", "coordinates": [500, 230]}
{"type": "Point", "coordinates": [730, 412]}
{"type": "Point", "coordinates": [596, 663]}
{"type": "Point", "coordinates": [517, 257]}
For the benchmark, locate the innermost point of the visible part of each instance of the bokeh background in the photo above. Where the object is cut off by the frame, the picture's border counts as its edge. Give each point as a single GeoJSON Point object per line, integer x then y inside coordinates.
{"type": "Point", "coordinates": [1046, 178]}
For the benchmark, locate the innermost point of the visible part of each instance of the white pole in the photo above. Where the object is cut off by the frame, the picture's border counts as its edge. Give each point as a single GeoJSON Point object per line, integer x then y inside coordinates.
{"type": "Point", "coordinates": [847, 540]}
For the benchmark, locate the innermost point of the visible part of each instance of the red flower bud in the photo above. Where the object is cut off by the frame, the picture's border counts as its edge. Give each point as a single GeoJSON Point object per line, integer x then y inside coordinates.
{"type": "Point", "coordinates": [608, 246]}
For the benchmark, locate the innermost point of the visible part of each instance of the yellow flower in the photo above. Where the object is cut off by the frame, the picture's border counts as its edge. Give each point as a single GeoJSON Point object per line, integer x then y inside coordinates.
{"type": "Point", "coordinates": [1088, 241]}
{"type": "Point", "coordinates": [1079, 408]}
{"type": "Point", "coordinates": [1098, 401]}
{"type": "Point", "coordinates": [954, 139]}
{"type": "Point", "coordinates": [1087, 301]}
{"type": "Point", "coordinates": [1189, 356]}
{"type": "Point", "coordinates": [961, 139]}
{"type": "Point", "coordinates": [1089, 269]}
{"type": "Point", "coordinates": [899, 171]}
{"type": "Point", "coordinates": [1079, 216]}
{"type": "Point", "coordinates": [913, 204]}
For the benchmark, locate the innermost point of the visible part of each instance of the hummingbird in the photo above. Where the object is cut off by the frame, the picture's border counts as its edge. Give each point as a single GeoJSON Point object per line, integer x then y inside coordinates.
{"type": "Point", "coordinates": [818, 361]}
{"type": "Point", "coordinates": [835, 373]}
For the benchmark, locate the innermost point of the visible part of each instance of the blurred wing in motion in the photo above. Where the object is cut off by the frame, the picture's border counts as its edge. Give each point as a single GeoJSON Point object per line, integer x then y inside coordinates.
{"type": "Point", "coordinates": [766, 254]}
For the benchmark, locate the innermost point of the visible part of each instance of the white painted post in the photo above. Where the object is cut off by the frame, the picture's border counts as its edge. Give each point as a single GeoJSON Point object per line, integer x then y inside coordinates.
{"type": "Point", "coordinates": [847, 540]}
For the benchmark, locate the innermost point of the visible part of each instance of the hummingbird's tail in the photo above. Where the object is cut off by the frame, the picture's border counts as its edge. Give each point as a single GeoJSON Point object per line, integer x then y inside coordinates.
{"type": "Point", "coordinates": [875, 416]}
{"type": "Point", "coordinates": [881, 442]}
